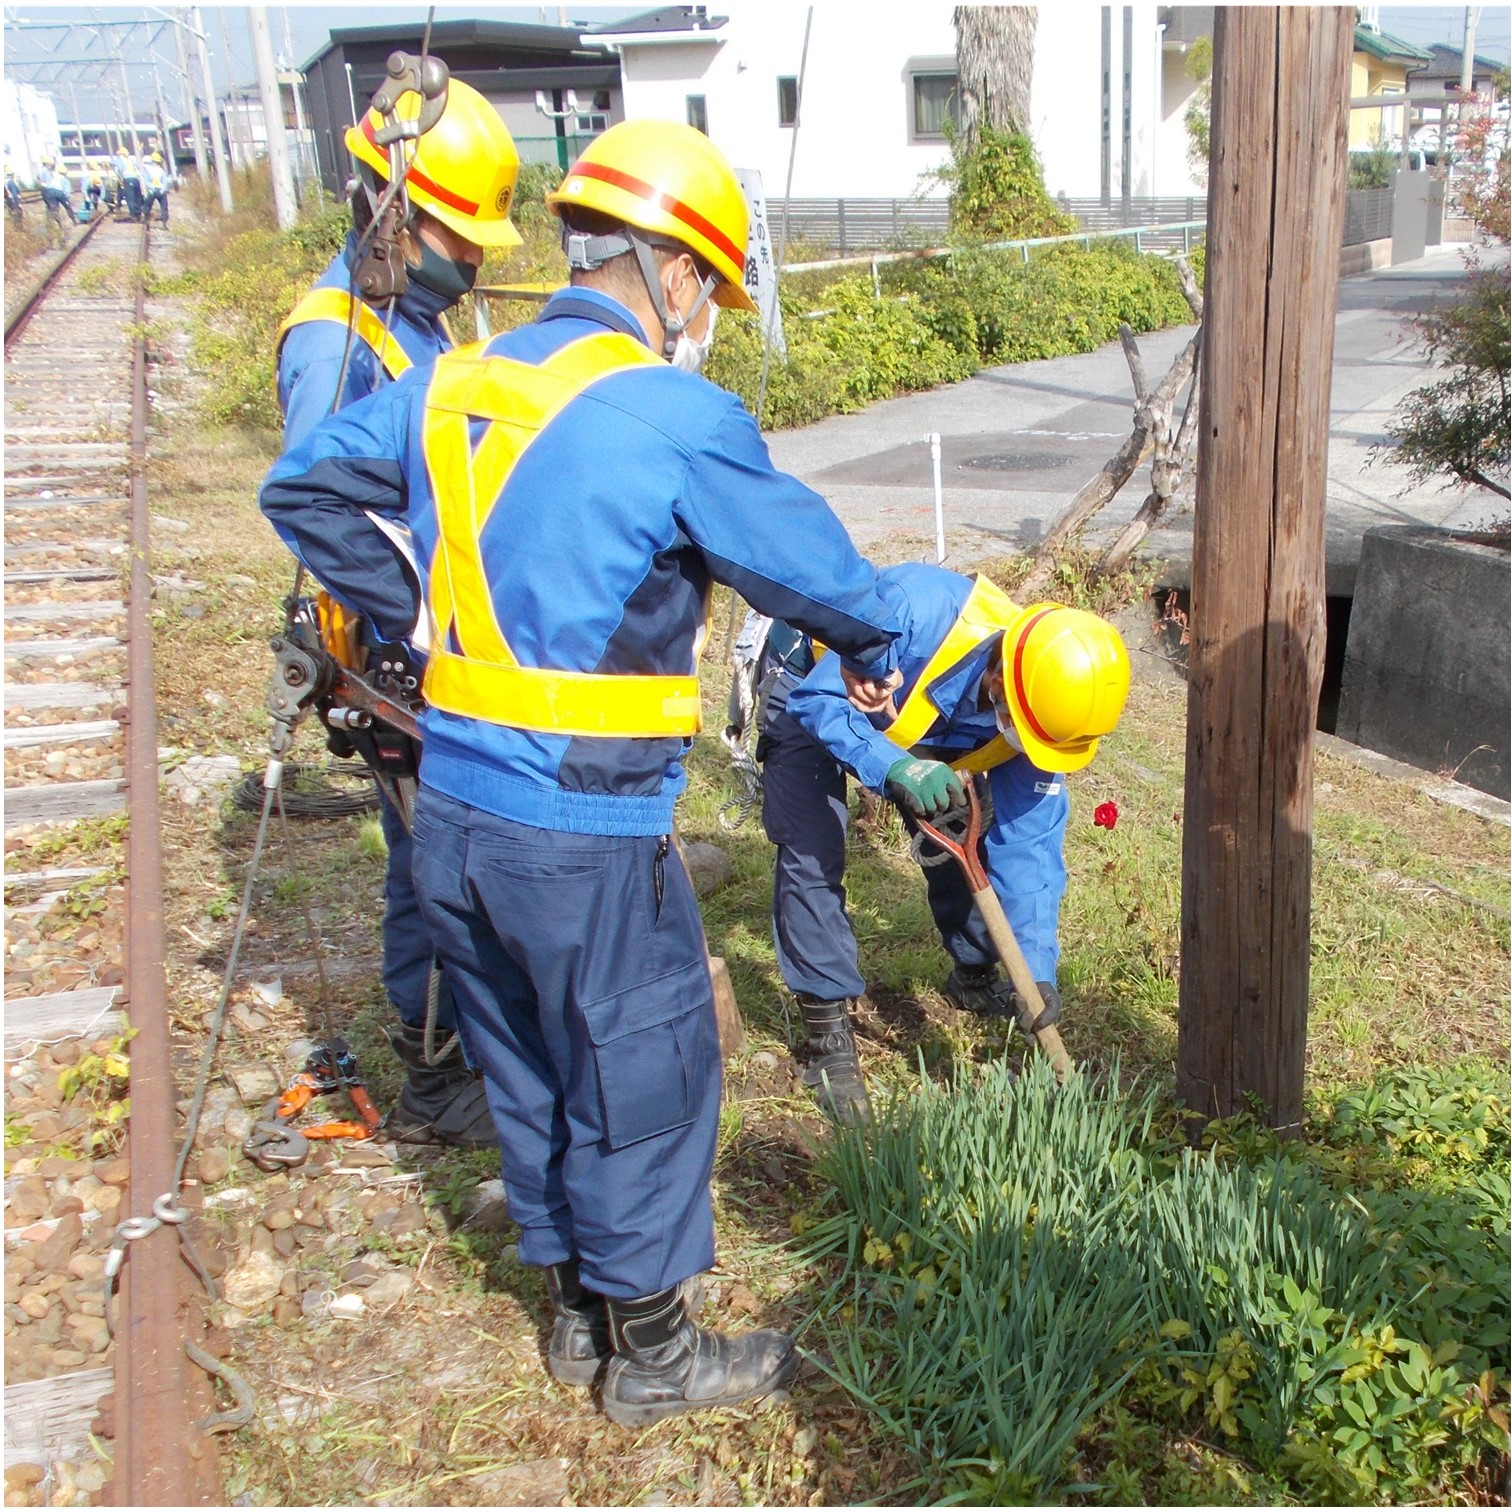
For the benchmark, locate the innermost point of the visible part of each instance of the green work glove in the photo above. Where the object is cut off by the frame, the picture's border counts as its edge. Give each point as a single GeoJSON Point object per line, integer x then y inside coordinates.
{"type": "Point", "coordinates": [924, 788]}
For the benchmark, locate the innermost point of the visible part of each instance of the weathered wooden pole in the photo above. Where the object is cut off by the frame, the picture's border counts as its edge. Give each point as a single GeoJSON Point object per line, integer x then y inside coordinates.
{"type": "Point", "coordinates": [1276, 183]}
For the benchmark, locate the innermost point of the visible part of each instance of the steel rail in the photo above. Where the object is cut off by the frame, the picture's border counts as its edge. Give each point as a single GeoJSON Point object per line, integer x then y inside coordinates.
{"type": "Point", "coordinates": [16, 323]}
{"type": "Point", "coordinates": [161, 1457]}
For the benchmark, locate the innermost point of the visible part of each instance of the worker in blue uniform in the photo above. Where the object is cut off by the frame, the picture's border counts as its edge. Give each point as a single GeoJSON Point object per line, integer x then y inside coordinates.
{"type": "Point", "coordinates": [573, 492]}
{"type": "Point", "coordinates": [335, 347]}
{"type": "Point", "coordinates": [1021, 695]}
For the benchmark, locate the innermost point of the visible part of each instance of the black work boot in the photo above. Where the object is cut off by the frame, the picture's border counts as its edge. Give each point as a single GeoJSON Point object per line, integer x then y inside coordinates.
{"type": "Point", "coordinates": [979, 989]}
{"type": "Point", "coordinates": [580, 1344]}
{"type": "Point", "coordinates": [665, 1364]}
{"type": "Point", "coordinates": [440, 1104]}
{"type": "Point", "coordinates": [833, 1068]}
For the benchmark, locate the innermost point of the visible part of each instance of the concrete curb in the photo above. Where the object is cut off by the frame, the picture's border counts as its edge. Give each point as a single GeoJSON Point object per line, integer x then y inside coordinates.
{"type": "Point", "coordinates": [1441, 788]}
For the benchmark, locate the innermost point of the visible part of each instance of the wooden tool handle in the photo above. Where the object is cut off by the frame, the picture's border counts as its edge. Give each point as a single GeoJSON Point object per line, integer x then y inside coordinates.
{"type": "Point", "coordinates": [1048, 1038]}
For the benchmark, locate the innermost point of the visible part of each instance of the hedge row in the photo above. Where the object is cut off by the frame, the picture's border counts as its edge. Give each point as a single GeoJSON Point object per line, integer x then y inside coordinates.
{"type": "Point", "coordinates": [934, 323]}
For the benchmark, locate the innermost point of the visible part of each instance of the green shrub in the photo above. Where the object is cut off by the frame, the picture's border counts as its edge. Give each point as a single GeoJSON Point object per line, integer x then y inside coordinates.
{"type": "Point", "coordinates": [997, 189]}
{"type": "Point", "coordinates": [1027, 1271]}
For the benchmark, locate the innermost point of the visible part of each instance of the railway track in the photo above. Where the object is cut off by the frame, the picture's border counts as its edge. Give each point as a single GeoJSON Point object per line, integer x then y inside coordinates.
{"type": "Point", "coordinates": [83, 888]}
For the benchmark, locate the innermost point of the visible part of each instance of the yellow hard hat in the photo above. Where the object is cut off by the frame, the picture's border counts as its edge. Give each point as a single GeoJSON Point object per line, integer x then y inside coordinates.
{"type": "Point", "coordinates": [1065, 679]}
{"type": "Point", "coordinates": [464, 168]}
{"type": "Point", "coordinates": [671, 180]}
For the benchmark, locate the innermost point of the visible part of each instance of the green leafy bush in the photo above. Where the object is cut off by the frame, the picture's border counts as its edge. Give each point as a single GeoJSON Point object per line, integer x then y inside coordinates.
{"type": "Point", "coordinates": [997, 189]}
{"type": "Point", "coordinates": [1028, 1271]}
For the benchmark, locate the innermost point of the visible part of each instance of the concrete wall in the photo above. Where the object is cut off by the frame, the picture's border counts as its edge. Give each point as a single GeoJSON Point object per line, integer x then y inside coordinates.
{"type": "Point", "coordinates": [1426, 674]}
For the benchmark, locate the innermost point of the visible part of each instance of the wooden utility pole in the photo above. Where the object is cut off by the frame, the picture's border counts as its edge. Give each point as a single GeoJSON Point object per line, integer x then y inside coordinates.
{"type": "Point", "coordinates": [1276, 183]}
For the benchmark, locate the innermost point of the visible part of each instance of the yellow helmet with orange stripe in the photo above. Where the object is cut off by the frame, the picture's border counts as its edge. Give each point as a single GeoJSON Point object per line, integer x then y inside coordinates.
{"type": "Point", "coordinates": [671, 181]}
{"type": "Point", "coordinates": [464, 169]}
{"type": "Point", "coordinates": [1065, 680]}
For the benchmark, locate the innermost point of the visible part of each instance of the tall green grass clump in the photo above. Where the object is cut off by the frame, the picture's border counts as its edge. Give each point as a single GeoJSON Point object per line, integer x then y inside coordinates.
{"type": "Point", "coordinates": [1017, 1262]}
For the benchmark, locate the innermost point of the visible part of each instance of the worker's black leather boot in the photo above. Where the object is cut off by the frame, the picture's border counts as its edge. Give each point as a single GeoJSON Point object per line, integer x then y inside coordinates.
{"type": "Point", "coordinates": [833, 1068]}
{"type": "Point", "coordinates": [979, 989]}
{"type": "Point", "coordinates": [665, 1364]}
{"type": "Point", "coordinates": [440, 1104]}
{"type": "Point", "coordinates": [580, 1344]}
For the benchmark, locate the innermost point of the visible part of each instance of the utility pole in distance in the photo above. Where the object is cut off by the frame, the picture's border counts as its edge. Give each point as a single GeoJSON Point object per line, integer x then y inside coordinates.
{"type": "Point", "coordinates": [217, 130]}
{"type": "Point", "coordinates": [285, 205]}
{"type": "Point", "coordinates": [1276, 179]}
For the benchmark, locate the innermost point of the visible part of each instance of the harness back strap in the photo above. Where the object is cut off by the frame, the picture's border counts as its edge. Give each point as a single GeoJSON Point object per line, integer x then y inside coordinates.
{"type": "Point", "coordinates": [483, 678]}
{"type": "Point", "coordinates": [987, 611]}
{"type": "Point", "coordinates": [339, 307]}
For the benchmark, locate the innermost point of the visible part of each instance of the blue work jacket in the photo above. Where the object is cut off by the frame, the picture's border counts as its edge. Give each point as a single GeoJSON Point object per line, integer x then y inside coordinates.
{"type": "Point", "coordinates": [1024, 842]}
{"type": "Point", "coordinates": [596, 552]}
{"type": "Point", "coordinates": [309, 360]}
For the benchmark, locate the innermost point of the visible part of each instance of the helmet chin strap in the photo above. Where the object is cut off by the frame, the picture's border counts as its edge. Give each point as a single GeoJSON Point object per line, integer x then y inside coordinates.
{"type": "Point", "coordinates": [673, 324]}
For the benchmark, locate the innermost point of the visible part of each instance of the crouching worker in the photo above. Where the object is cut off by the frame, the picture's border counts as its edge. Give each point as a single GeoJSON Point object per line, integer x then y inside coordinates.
{"type": "Point", "coordinates": [1020, 695]}
{"type": "Point", "coordinates": [573, 489]}
{"type": "Point", "coordinates": [338, 346]}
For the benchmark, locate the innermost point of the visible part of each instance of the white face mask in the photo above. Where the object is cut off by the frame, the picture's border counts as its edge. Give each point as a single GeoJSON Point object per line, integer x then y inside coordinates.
{"type": "Point", "coordinates": [690, 355]}
{"type": "Point", "coordinates": [1006, 729]}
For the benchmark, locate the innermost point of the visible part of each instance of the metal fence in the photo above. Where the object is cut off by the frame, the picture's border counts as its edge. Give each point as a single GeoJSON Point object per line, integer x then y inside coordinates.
{"type": "Point", "coordinates": [846, 226]}
{"type": "Point", "coordinates": [1367, 215]}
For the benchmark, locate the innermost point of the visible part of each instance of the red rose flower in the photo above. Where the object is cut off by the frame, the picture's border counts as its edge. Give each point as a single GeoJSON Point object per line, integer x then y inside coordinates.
{"type": "Point", "coordinates": [1105, 815]}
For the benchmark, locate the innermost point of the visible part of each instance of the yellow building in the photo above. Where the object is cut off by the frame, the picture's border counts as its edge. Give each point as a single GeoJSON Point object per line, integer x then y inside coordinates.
{"type": "Point", "coordinates": [1381, 66]}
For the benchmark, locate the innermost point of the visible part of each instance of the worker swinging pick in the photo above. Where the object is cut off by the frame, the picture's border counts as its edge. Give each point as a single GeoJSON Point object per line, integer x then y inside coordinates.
{"type": "Point", "coordinates": [374, 314]}
{"type": "Point", "coordinates": [1018, 697]}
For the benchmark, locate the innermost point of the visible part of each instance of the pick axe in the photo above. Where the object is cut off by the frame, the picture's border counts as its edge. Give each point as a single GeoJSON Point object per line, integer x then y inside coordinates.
{"type": "Point", "coordinates": [967, 855]}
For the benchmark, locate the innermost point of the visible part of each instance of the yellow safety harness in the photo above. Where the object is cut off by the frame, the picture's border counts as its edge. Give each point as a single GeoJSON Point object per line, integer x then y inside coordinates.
{"type": "Point", "coordinates": [339, 307]}
{"type": "Point", "coordinates": [986, 612]}
{"type": "Point", "coordinates": [483, 678]}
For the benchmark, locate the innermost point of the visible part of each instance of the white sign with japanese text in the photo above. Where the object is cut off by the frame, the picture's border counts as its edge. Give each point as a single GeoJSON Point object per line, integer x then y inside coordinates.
{"type": "Point", "coordinates": [761, 261]}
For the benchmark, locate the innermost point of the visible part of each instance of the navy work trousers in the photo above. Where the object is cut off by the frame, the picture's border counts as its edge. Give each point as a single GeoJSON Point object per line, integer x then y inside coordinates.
{"type": "Point", "coordinates": [804, 811]}
{"type": "Point", "coordinates": [409, 954]}
{"type": "Point", "coordinates": [583, 998]}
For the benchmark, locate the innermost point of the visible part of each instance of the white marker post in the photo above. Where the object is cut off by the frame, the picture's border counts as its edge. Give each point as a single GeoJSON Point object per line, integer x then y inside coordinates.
{"type": "Point", "coordinates": [939, 495]}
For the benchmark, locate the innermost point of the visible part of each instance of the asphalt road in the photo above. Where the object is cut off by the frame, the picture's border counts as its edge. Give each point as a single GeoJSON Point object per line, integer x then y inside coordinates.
{"type": "Point", "coordinates": [1019, 441]}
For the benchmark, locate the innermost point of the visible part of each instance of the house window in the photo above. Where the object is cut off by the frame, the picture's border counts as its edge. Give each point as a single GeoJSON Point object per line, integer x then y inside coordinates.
{"type": "Point", "coordinates": [787, 101]}
{"type": "Point", "coordinates": [698, 113]}
{"type": "Point", "coordinates": [936, 100]}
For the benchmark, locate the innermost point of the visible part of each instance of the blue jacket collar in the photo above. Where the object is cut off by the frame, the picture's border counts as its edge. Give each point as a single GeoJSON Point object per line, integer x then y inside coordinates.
{"type": "Point", "coordinates": [578, 303]}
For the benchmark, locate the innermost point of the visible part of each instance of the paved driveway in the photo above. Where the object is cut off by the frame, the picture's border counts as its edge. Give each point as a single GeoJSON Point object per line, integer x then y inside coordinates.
{"type": "Point", "coordinates": [1019, 441]}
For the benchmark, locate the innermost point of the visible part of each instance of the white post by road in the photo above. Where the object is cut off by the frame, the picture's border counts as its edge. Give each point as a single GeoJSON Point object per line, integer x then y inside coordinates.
{"type": "Point", "coordinates": [285, 205]}
{"type": "Point", "coordinates": [939, 495]}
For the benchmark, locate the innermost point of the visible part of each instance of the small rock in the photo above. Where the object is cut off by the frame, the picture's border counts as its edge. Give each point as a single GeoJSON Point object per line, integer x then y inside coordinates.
{"type": "Point", "coordinates": [86, 1267]}
{"type": "Point", "coordinates": [411, 1218]}
{"type": "Point", "coordinates": [91, 1476]}
{"type": "Point", "coordinates": [34, 1304]}
{"type": "Point", "coordinates": [348, 1306]}
{"type": "Point", "coordinates": [362, 1271]}
{"type": "Point", "coordinates": [105, 1200]}
{"type": "Point", "coordinates": [389, 1289]}
{"type": "Point", "coordinates": [280, 1215]}
{"type": "Point", "coordinates": [52, 1254]}
{"type": "Point", "coordinates": [63, 1206]}
{"type": "Point", "coordinates": [709, 868]}
{"type": "Point", "coordinates": [255, 1082]}
{"type": "Point", "coordinates": [60, 1165]}
{"type": "Point", "coordinates": [114, 1172]}
{"type": "Point", "coordinates": [488, 1208]}
{"type": "Point", "coordinates": [270, 993]}
{"type": "Point", "coordinates": [315, 1303]}
{"type": "Point", "coordinates": [214, 1165]}
{"type": "Point", "coordinates": [91, 1335]}
{"type": "Point", "coordinates": [254, 1283]}
{"type": "Point", "coordinates": [18, 1477]}
{"type": "Point", "coordinates": [286, 1312]}
{"type": "Point", "coordinates": [261, 1240]}
{"type": "Point", "coordinates": [536, 1483]}
{"type": "Point", "coordinates": [368, 1153]}
{"type": "Point", "coordinates": [284, 1242]}
{"type": "Point", "coordinates": [237, 1124]}
{"type": "Point", "coordinates": [28, 1200]}
{"type": "Point", "coordinates": [297, 1052]}
{"type": "Point", "coordinates": [764, 1060]}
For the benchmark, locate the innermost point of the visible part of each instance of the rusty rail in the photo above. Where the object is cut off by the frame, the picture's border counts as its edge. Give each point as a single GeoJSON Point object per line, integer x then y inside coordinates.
{"type": "Point", "coordinates": [15, 324]}
{"type": "Point", "coordinates": [161, 1457]}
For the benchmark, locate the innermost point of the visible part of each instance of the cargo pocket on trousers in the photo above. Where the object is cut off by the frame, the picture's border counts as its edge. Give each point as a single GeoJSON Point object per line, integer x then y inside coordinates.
{"type": "Point", "coordinates": [655, 1047]}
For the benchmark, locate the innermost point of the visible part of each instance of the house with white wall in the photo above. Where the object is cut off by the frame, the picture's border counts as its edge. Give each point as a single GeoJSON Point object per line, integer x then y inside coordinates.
{"type": "Point", "coordinates": [30, 126]}
{"type": "Point", "coordinates": [1108, 92]}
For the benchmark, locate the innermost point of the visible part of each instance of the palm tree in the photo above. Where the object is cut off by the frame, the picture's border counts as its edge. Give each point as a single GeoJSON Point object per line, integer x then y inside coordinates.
{"type": "Point", "coordinates": [995, 62]}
